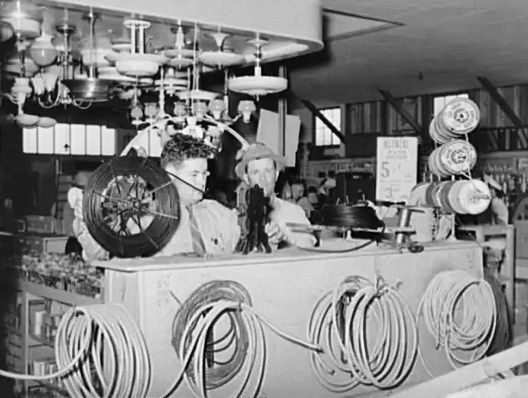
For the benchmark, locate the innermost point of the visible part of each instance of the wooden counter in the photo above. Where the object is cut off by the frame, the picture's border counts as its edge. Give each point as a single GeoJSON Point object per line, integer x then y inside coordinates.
{"type": "Point", "coordinates": [284, 287]}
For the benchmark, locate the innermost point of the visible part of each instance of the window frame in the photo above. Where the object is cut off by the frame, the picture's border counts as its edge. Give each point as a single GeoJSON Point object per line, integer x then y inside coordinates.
{"type": "Point", "coordinates": [335, 141]}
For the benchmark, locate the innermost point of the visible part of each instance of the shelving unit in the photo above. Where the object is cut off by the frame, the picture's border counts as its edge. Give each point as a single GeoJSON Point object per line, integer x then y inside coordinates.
{"type": "Point", "coordinates": [29, 349]}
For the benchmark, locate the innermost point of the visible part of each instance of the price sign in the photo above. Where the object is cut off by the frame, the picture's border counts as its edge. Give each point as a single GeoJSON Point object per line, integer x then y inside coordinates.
{"type": "Point", "coordinates": [396, 168]}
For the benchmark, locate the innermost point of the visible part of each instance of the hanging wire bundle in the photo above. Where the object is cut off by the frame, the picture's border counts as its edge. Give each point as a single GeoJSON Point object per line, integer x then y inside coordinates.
{"type": "Point", "coordinates": [368, 334]}
{"type": "Point", "coordinates": [459, 311]}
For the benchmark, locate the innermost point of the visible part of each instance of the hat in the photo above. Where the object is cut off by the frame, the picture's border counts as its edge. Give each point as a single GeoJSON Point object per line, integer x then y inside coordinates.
{"type": "Point", "coordinates": [492, 182]}
{"type": "Point", "coordinates": [253, 152]}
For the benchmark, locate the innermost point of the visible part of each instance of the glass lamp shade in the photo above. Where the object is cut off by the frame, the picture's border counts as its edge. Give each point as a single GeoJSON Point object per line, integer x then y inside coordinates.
{"type": "Point", "coordinates": [42, 50]}
{"type": "Point", "coordinates": [200, 109]}
{"type": "Point", "coordinates": [216, 107]}
{"type": "Point", "coordinates": [246, 108]}
{"type": "Point", "coordinates": [6, 31]}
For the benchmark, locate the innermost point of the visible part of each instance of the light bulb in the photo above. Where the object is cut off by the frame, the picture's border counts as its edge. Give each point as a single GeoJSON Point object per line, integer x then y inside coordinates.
{"type": "Point", "coordinates": [216, 107]}
{"type": "Point", "coordinates": [246, 108]}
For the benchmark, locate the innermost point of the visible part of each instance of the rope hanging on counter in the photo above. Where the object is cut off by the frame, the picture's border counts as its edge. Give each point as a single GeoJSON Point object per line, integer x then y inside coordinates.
{"type": "Point", "coordinates": [355, 352]}
{"type": "Point", "coordinates": [459, 311]}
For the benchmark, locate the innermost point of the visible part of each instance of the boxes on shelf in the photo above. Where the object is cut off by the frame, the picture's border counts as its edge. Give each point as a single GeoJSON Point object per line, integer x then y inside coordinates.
{"type": "Point", "coordinates": [38, 244]}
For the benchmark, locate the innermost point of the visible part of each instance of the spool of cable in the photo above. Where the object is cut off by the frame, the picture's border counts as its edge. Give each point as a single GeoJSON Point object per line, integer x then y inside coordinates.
{"type": "Point", "coordinates": [458, 197]}
{"type": "Point", "coordinates": [350, 216]}
{"type": "Point", "coordinates": [459, 117]}
{"type": "Point", "coordinates": [454, 158]}
{"type": "Point", "coordinates": [125, 194]}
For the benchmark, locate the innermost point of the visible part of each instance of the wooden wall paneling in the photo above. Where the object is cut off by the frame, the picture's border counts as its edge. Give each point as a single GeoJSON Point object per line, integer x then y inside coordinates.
{"type": "Point", "coordinates": [355, 119]}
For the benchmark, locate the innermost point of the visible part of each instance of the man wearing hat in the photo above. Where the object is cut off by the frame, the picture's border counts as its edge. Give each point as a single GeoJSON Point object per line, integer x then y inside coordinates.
{"type": "Point", "coordinates": [499, 209]}
{"type": "Point", "coordinates": [259, 165]}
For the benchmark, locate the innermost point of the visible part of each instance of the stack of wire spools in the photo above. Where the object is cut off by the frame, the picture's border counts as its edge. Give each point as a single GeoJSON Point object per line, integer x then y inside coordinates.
{"type": "Point", "coordinates": [455, 191]}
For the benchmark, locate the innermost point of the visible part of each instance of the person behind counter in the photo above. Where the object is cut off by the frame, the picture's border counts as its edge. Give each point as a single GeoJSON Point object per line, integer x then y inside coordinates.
{"type": "Point", "coordinates": [80, 179]}
{"type": "Point", "coordinates": [213, 229]}
{"type": "Point", "coordinates": [259, 165]}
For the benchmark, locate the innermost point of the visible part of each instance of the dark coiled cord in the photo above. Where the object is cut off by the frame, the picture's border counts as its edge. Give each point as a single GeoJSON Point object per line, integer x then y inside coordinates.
{"type": "Point", "coordinates": [119, 192]}
{"type": "Point", "coordinates": [350, 216]}
{"type": "Point", "coordinates": [235, 339]}
{"type": "Point", "coordinates": [503, 332]}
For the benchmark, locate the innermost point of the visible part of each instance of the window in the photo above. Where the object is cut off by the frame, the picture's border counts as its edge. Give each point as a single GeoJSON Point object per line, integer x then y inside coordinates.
{"type": "Point", "coordinates": [70, 139]}
{"type": "Point", "coordinates": [323, 135]}
{"type": "Point", "coordinates": [442, 101]}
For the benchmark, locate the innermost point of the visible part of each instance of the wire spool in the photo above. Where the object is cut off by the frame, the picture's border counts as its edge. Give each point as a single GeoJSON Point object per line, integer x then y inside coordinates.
{"type": "Point", "coordinates": [469, 197]}
{"type": "Point", "coordinates": [123, 195]}
{"type": "Point", "coordinates": [423, 222]}
{"type": "Point", "coordinates": [458, 197]}
{"type": "Point", "coordinates": [350, 216]}
{"type": "Point", "coordinates": [459, 117]}
{"type": "Point", "coordinates": [222, 372]}
{"type": "Point", "coordinates": [454, 158]}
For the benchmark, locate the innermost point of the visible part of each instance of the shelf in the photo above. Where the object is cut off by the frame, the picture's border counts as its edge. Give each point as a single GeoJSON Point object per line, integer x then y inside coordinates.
{"type": "Point", "coordinates": [41, 340]}
{"type": "Point", "coordinates": [55, 294]}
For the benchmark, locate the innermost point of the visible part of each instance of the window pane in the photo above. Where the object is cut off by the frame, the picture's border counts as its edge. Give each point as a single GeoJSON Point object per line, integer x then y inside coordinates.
{"type": "Point", "coordinates": [62, 139]}
{"type": "Point", "coordinates": [319, 137]}
{"type": "Point", "coordinates": [93, 140]}
{"type": "Point", "coordinates": [45, 140]}
{"type": "Point", "coordinates": [29, 140]}
{"type": "Point", "coordinates": [108, 137]}
{"type": "Point", "coordinates": [323, 135]}
{"type": "Point", "coordinates": [78, 139]}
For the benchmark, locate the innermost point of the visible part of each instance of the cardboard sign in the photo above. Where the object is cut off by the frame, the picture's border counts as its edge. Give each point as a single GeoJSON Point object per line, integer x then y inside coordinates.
{"type": "Point", "coordinates": [396, 168]}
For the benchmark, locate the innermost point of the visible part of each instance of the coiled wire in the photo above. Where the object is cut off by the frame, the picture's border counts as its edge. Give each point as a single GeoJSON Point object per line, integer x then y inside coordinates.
{"type": "Point", "coordinates": [197, 331]}
{"type": "Point", "coordinates": [352, 216]}
{"type": "Point", "coordinates": [100, 352]}
{"type": "Point", "coordinates": [355, 352]}
{"type": "Point", "coordinates": [459, 311]}
{"type": "Point", "coordinates": [235, 339]}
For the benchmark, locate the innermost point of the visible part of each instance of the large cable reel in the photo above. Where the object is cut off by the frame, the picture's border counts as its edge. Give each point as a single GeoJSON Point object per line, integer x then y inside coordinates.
{"type": "Point", "coordinates": [131, 207]}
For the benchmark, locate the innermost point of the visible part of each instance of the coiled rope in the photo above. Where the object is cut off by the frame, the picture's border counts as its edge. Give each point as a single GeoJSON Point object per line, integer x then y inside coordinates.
{"type": "Point", "coordinates": [459, 311]}
{"type": "Point", "coordinates": [357, 353]}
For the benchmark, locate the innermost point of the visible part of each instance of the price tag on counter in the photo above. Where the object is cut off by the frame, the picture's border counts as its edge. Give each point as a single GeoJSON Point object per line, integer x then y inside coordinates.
{"type": "Point", "coordinates": [396, 168]}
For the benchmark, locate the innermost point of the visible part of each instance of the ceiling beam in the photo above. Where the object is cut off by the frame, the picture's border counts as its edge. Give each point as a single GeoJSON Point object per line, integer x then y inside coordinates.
{"type": "Point", "coordinates": [404, 113]}
{"type": "Point", "coordinates": [317, 113]}
{"type": "Point", "coordinates": [501, 102]}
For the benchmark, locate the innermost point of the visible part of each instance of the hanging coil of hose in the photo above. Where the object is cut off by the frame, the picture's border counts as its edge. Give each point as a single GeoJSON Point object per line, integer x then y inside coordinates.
{"type": "Point", "coordinates": [503, 333]}
{"type": "Point", "coordinates": [234, 341]}
{"type": "Point", "coordinates": [369, 336]}
{"type": "Point", "coordinates": [459, 311]}
{"type": "Point", "coordinates": [195, 340]}
{"type": "Point", "coordinates": [100, 352]}
{"type": "Point", "coordinates": [130, 207]}
{"type": "Point", "coordinates": [351, 216]}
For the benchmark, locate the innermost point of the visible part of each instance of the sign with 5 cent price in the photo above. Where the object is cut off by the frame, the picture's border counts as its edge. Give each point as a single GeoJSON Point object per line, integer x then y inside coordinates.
{"type": "Point", "coordinates": [396, 168]}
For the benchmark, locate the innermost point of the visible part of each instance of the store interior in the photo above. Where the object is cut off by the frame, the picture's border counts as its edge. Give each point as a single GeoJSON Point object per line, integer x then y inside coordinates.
{"type": "Point", "coordinates": [398, 132]}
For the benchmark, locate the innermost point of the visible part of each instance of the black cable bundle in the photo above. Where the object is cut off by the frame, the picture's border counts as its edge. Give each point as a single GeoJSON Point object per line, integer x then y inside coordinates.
{"type": "Point", "coordinates": [218, 372]}
{"type": "Point", "coordinates": [503, 332]}
{"type": "Point", "coordinates": [119, 194]}
{"type": "Point", "coordinates": [350, 216]}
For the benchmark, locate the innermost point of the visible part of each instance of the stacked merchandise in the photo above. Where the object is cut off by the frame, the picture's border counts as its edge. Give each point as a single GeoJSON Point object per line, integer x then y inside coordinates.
{"type": "Point", "coordinates": [455, 191]}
